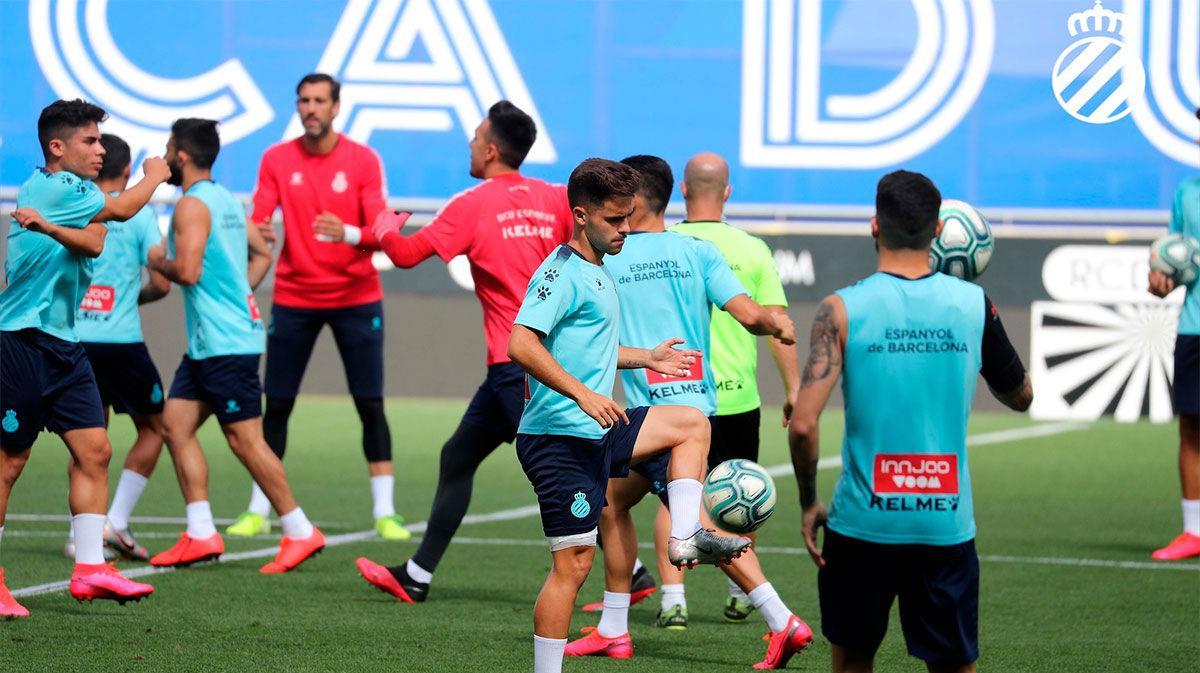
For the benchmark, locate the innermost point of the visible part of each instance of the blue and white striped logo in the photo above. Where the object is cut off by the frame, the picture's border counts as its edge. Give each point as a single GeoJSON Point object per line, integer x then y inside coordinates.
{"type": "Point", "coordinates": [1097, 79]}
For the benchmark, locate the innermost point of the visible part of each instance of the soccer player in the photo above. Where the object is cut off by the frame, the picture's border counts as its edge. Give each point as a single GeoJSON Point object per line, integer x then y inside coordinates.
{"type": "Point", "coordinates": [735, 432]}
{"type": "Point", "coordinates": [572, 435]}
{"type": "Point", "coordinates": [217, 260]}
{"type": "Point", "coordinates": [908, 344]}
{"type": "Point", "coordinates": [47, 380]}
{"type": "Point", "coordinates": [110, 331]}
{"type": "Point", "coordinates": [1185, 219]}
{"type": "Point", "coordinates": [506, 226]}
{"type": "Point", "coordinates": [330, 188]}
{"type": "Point", "coordinates": [667, 284]}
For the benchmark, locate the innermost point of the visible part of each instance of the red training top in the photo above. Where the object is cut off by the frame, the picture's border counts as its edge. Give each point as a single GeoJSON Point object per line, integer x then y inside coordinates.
{"type": "Point", "coordinates": [347, 182]}
{"type": "Point", "coordinates": [506, 226]}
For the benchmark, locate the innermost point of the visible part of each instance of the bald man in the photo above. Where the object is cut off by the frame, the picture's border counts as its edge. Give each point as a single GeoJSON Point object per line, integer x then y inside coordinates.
{"type": "Point", "coordinates": [734, 356]}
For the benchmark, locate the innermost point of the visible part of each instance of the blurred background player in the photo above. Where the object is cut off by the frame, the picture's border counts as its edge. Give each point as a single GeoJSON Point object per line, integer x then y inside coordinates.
{"type": "Point", "coordinates": [892, 531]}
{"type": "Point", "coordinates": [506, 226]}
{"type": "Point", "coordinates": [330, 188]}
{"type": "Point", "coordinates": [1185, 219]}
{"type": "Point", "coordinates": [667, 284]}
{"type": "Point", "coordinates": [573, 437]}
{"type": "Point", "coordinates": [735, 428]}
{"type": "Point", "coordinates": [110, 331]}
{"type": "Point", "coordinates": [218, 260]}
{"type": "Point", "coordinates": [47, 381]}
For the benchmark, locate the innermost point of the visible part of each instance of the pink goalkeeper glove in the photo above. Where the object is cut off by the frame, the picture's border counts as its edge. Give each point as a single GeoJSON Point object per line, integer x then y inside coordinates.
{"type": "Point", "coordinates": [389, 222]}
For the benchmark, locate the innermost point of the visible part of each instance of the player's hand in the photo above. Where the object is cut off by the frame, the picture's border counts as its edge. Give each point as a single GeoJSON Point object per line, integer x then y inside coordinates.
{"type": "Point", "coordinates": [30, 219]}
{"type": "Point", "coordinates": [812, 518]}
{"type": "Point", "coordinates": [666, 359]}
{"type": "Point", "coordinates": [788, 405]}
{"type": "Point", "coordinates": [1160, 284]}
{"type": "Point", "coordinates": [327, 227]}
{"type": "Point", "coordinates": [389, 222]}
{"type": "Point", "coordinates": [156, 169]}
{"type": "Point", "coordinates": [785, 329]}
{"type": "Point", "coordinates": [267, 231]}
{"type": "Point", "coordinates": [155, 255]}
{"type": "Point", "coordinates": [602, 410]}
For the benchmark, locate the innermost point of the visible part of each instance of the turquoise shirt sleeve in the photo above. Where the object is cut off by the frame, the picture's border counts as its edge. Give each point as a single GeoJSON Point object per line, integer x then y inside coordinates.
{"type": "Point", "coordinates": [76, 201]}
{"type": "Point", "coordinates": [1176, 225]}
{"type": "Point", "coordinates": [720, 283]}
{"type": "Point", "coordinates": [549, 298]}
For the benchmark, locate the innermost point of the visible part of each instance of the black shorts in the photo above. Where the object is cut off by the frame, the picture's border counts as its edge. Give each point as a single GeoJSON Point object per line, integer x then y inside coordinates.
{"type": "Point", "coordinates": [226, 383]}
{"type": "Point", "coordinates": [570, 474]}
{"type": "Point", "coordinates": [1186, 386]}
{"type": "Point", "coordinates": [46, 383]}
{"type": "Point", "coordinates": [499, 401]}
{"type": "Point", "coordinates": [357, 331]}
{"type": "Point", "coordinates": [734, 436]}
{"type": "Point", "coordinates": [126, 377]}
{"type": "Point", "coordinates": [938, 587]}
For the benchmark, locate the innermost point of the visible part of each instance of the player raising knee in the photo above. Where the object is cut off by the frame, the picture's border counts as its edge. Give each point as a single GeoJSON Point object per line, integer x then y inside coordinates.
{"type": "Point", "coordinates": [217, 260]}
{"type": "Point", "coordinates": [573, 436]}
{"type": "Point", "coordinates": [667, 284]}
{"type": "Point", "coordinates": [908, 345]}
{"type": "Point", "coordinates": [47, 381]}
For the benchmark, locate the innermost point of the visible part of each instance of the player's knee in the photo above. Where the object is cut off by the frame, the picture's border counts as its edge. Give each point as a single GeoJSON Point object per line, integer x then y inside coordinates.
{"type": "Point", "coordinates": [377, 440]}
{"type": "Point", "coordinates": [278, 409]}
{"type": "Point", "coordinates": [694, 423]}
{"type": "Point", "coordinates": [1189, 432]}
{"type": "Point", "coordinates": [577, 565]}
{"type": "Point", "coordinates": [94, 456]}
{"type": "Point", "coordinates": [11, 465]}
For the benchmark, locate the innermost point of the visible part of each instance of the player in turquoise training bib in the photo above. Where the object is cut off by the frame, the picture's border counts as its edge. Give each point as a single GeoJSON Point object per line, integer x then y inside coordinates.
{"type": "Point", "coordinates": [907, 345]}
{"type": "Point", "coordinates": [45, 379]}
{"type": "Point", "coordinates": [217, 260]}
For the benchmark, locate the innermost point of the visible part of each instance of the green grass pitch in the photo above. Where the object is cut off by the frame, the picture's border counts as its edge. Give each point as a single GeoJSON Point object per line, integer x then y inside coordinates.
{"type": "Point", "coordinates": [1066, 525]}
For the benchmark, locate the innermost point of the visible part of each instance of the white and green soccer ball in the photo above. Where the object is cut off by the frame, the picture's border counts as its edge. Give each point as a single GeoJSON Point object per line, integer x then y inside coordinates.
{"type": "Point", "coordinates": [1177, 256]}
{"type": "Point", "coordinates": [965, 246]}
{"type": "Point", "coordinates": [739, 495]}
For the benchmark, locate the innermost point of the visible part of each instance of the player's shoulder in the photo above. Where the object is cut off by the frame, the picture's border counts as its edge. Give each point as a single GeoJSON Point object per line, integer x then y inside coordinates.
{"type": "Point", "coordinates": [57, 184]}
{"type": "Point", "coordinates": [1187, 186]}
{"type": "Point", "coordinates": [282, 150]}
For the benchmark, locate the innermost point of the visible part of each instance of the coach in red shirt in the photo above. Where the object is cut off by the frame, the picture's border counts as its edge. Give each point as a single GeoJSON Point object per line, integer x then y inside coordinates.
{"type": "Point", "coordinates": [506, 226]}
{"type": "Point", "coordinates": [329, 187]}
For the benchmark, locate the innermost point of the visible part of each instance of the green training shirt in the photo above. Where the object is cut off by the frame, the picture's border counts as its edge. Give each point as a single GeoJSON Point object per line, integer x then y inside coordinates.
{"type": "Point", "coordinates": [734, 355]}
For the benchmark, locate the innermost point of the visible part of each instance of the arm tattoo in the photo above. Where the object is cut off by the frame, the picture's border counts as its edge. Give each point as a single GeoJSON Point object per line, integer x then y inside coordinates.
{"type": "Point", "coordinates": [824, 352]}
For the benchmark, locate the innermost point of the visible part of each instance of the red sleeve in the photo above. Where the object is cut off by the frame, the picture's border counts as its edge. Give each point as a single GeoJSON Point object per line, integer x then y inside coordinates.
{"type": "Point", "coordinates": [266, 192]}
{"type": "Point", "coordinates": [453, 228]}
{"type": "Point", "coordinates": [373, 197]}
{"type": "Point", "coordinates": [408, 251]}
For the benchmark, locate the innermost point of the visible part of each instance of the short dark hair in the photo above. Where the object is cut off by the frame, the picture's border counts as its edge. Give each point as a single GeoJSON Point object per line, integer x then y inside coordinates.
{"type": "Point", "coordinates": [116, 156]}
{"type": "Point", "coordinates": [335, 87]}
{"type": "Point", "coordinates": [596, 180]}
{"type": "Point", "coordinates": [906, 206]}
{"type": "Point", "coordinates": [60, 119]}
{"type": "Point", "coordinates": [657, 180]}
{"type": "Point", "coordinates": [199, 138]}
{"type": "Point", "coordinates": [513, 131]}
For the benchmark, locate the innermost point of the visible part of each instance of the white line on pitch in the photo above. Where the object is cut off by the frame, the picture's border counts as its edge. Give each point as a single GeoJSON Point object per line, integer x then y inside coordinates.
{"type": "Point", "coordinates": [531, 510]}
{"type": "Point", "coordinates": [151, 520]}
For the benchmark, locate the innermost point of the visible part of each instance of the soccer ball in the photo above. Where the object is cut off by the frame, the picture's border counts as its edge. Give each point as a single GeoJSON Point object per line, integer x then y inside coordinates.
{"type": "Point", "coordinates": [739, 495]}
{"type": "Point", "coordinates": [965, 246]}
{"type": "Point", "coordinates": [1177, 256]}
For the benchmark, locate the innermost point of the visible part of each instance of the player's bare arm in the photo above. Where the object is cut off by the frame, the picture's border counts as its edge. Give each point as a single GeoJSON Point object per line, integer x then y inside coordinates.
{"type": "Point", "coordinates": [787, 363]}
{"type": "Point", "coordinates": [127, 204]}
{"type": "Point", "coordinates": [663, 358]}
{"type": "Point", "coordinates": [526, 349]}
{"type": "Point", "coordinates": [822, 369]}
{"type": "Point", "coordinates": [191, 223]}
{"type": "Point", "coordinates": [1017, 399]}
{"type": "Point", "coordinates": [88, 241]}
{"type": "Point", "coordinates": [761, 320]}
{"type": "Point", "coordinates": [329, 227]}
{"type": "Point", "coordinates": [260, 257]}
{"type": "Point", "coordinates": [157, 286]}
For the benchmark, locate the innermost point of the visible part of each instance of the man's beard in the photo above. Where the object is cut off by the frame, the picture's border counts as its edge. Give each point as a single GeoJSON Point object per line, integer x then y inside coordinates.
{"type": "Point", "coordinates": [176, 174]}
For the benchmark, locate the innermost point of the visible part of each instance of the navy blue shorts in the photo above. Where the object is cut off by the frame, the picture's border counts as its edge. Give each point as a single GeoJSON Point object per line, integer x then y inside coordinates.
{"type": "Point", "coordinates": [497, 405]}
{"type": "Point", "coordinates": [1186, 386]}
{"type": "Point", "coordinates": [570, 474]}
{"type": "Point", "coordinates": [226, 383]}
{"type": "Point", "coordinates": [938, 588]}
{"type": "Point", "coordinates": [357, 331]}
{"type": "Point", "coordinates": [654, 470]}
{"type": "Point", "coordinates": [734, 436]}
{"type": "Point", "coordinates": [47, 383]}
{"type": "Point", "coordinates": [126, 377]}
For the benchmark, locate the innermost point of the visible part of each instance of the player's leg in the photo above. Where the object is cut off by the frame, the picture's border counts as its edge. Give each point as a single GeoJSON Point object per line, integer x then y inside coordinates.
{"type": "Point", "coordinates": [12, 462]}
{"type": "Point", "coordinates": [183, 415]}
{"type": "Point", "coordinates": [856, 588]}
{"type": "Point", "coordinates": [939, 605]}
{"type": "Point", "coordinates": [673, 610]}
{"type": "Point", "coordinates": [21, 385]}
{"type": "Point", "coordinates": [571, 561]}
{"type": "Point", "coordinates": [1186, 392]}
{"type": "Point", "coordinates": [736, 436]}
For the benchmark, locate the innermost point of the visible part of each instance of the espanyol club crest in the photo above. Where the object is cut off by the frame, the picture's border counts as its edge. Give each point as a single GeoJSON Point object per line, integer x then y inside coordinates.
{"type": "Point", "coordinates": [1097, 78]}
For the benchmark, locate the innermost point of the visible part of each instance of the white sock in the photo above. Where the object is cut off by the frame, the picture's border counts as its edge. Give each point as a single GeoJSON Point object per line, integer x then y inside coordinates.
{"type": "Point", "coordinates": [89, 538]}
{"type": "Point", "coordinates": [296, 525]}
{"type": "Point", "coordinates": [771, 607]}
{"type": "Point", "coordinates": [614, 621]}
{"type": "Point", "coordinates": [736, 592]}
{"type": "Point", "coordinates": [381, 494]}
{"type": "Point", "coordinates": [672, 595]}
{"type": "Point", "coordinates": [259, 503]}
{"type": "Point", "coordinates": [71, 530]}
{"type": "Point", "coordinates": [200, 520]}
{"type": "Point", "coordinates": [1191, 516]}
{"type": "Point", "coordinates": [129, 491]}
{"type": "Point", "coordinates": [637, 565]}
{"type": "Point", "coordinates": [417, 572]}
{"type": "Point", "coordinates": [683, 499]}
{"type": "Point", "coordinates": [548, 654]}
